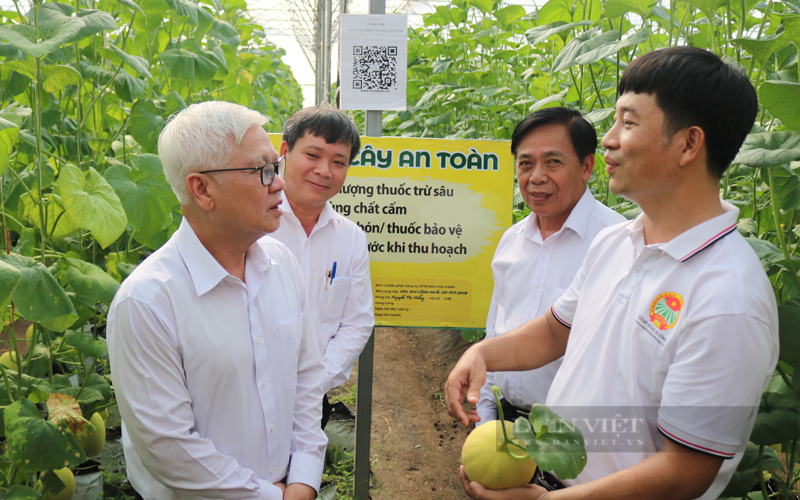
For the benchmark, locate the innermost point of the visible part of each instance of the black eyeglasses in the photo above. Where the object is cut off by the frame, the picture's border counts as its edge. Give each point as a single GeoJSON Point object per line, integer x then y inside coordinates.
{"type": "Point", "coordinates": [268, 170]}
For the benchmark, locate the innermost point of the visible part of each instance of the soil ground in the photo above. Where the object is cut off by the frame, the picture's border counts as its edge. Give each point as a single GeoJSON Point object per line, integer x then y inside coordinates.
{"type": "Point", "coordinates": [416, 445]}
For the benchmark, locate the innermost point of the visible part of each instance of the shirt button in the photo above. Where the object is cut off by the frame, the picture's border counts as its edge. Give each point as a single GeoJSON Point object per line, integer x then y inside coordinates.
{"type": "Point", "coordinates": [638, 269]}
{"type": "Point", "coordinates": [258, 340]}
{"type": "Point", "coordinates": [538, 286]}
{"type": "Point", "coordinates": [272, 428]}
{"type": "Point", "coordinates": [264, 384]}
{"type": "Point", "coordinates": [271, 470]}
{"type": "Point", "coordinates": [547, 249]}
{"type": "Point", "coordinates": [514, 394]}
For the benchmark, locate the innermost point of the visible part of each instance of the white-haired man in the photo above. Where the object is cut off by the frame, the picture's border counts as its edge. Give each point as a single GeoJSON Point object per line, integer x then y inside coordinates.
{"type": "Point", "coordinates": [214, 360]}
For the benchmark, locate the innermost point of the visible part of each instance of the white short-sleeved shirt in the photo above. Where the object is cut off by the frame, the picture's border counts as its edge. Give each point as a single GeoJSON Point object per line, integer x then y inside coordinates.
{"type": "Point", "coordinates": [341, 308]}
{"type": "Point", "coordinates": [529, 275]}
{"type": "Point", "coordinates": [678, 339]}
{"type": "Point", "coordinates": [218, 381]}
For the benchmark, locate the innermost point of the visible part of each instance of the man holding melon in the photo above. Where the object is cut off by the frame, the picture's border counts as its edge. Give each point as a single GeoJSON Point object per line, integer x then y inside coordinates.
{"type": "Point", "coordinates": [665, 310]}
{"type": "Point", "coordinates": [539, 256]}
{"type": "Point", "coordinates": [215, 364]}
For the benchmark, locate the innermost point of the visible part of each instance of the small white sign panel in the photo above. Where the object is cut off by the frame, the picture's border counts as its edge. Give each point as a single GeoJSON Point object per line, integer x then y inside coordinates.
{"type": "Point", "coordinates": [374, 61]}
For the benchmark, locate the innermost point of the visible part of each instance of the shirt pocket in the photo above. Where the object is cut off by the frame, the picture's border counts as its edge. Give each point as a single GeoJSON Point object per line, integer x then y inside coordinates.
{"type": "Point", "coordinates": [335, 296]}
{"type": "Point", "coordinates": [290, 334]}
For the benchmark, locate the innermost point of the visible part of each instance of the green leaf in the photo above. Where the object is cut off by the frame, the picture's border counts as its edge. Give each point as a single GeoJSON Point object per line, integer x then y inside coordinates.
{"type": "Point", "coordinates": [788, 328]}
{"type": "Point", "coordinates": [9, 133]}
{"type": "Point", "coordinates": [484, 6]}
{"type": "Point", "coordinates": [58, 77]}
{"type": "Point", "coordinates": [146, 124]}
{"type": "Point", "coordinates": [61, 323]}
{"type": "Point", "coordinates": [509, 14]}
{"type": "Point", "coordinates": [95, 348]}
{"type": "Point", "coordinates": [581, 44]}
{"type": "Point", "coordinates": [52, 35]}
{"type": "Point", "coordinates": [763, 48]}
{"type": "Point", "coordinates": [9, 277]}
{"type": "Point", "coordinates": [90, 280]}
{"type": "Point", "coordinates": [127, 87]}
{"type": "Point", "coordinates": [20, 492]}
{"type": "Point", "coordinates": [597, 54]}
{"type": "Point", "coordinates": [38, 296]}
{"type": "Point", "coordinates": [556, 445]}
{"type": "Point", "coordinates": [190, 66]}
{"type": "Point", "coordinates": [748, 471]}
{"type": "Point", "coordinates": [791, 28]}
{"type": "Point", "coordinates": [132, 5]}
{"type": "Point", "coordinates": [786, 188]}
{"type": "Point", "coordinates": [782, 100]}
{"type": "Point", "coordinates": [22, 67]}
{"type": "Point", "coordinates": [598, 115]}
{"type": "Point", "coordinates": [614, 9]}
{"type": "Point", "coordinates": [53, 213]}
{"type": "Point", "coordinates": [769, 149]}
{"type": "Point", "coordinates": [145, 193]}
{"type": "Point", "coordinates": [174, 104]}
{"type": "Point", "coordinates": [92, 204]}
{"type": "Point", "coordinates": [547, 102]}
{"type": "Point", "coordinates": [99, 383]}
{"type": "Point", "coordinates": [778, 420]}
{"type": "Point", "coordinates": [707, 7]}
{"type": "Point", "coordinates": [138, 64]}
{"type": "Point", "coordinates": [541, 33]}
{"type": "Point", "coordinates": [35, 444]}
{"type": "Point", "coordinates": [94, 22]}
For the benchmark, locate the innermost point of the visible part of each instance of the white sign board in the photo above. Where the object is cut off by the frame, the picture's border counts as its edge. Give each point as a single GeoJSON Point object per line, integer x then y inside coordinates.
{"type": "Point", "coordinates": [373, 53]}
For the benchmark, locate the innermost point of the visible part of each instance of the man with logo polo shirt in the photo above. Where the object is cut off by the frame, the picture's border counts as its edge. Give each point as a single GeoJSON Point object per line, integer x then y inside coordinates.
{"type": "Point", "coordinates": [319, 143]}
{"type": "Point", "coordinates": [537, 258]}
{"type": "Point", "coordinates": [215, 365]}
{"type": "Point", "coordinates": [665, 310]}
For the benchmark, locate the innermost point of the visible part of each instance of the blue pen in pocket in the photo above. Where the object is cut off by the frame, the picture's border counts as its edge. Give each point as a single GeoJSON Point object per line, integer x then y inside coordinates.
{"type": "Point", "coordinates": [333, 271]}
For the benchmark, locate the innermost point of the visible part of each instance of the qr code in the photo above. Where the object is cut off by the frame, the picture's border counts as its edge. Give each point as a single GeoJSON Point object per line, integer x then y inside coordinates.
{"type": "Point", "coordinates": [374, 67]}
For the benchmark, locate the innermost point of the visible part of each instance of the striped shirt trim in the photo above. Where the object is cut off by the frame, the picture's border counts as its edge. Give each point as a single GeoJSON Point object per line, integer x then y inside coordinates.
{"type": "Point", "coordinates": [555, 315]}
{"type": "Point", "coordinates": [708, 243]}
{"type": "Point", "coordinates": [693, 446]}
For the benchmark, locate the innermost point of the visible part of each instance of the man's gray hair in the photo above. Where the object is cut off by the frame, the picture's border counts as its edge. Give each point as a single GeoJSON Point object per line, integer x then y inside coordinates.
{"type": "Point", "coordinates": [203, 136]}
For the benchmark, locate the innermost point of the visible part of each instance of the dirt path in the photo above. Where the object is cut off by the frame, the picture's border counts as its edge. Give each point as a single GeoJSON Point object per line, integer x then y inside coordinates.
{"type": "Point", "coordinates": [416, 445]}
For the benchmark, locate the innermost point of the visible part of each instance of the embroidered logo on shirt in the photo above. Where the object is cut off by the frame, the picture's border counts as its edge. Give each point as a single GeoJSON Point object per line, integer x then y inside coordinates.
{"type": "Point", "coordinates": [665, 310]}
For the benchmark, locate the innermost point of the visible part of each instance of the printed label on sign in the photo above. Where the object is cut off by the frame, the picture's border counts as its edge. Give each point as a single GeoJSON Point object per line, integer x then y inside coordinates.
{"type": "Point", "coordinates": [423, 301]}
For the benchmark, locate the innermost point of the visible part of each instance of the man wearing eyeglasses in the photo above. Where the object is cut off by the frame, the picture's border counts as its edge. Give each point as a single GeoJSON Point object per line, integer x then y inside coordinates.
{"type": "Point", "coordinates": [319, 143]}
{"type": "Point", "coordinates": [214, 361]}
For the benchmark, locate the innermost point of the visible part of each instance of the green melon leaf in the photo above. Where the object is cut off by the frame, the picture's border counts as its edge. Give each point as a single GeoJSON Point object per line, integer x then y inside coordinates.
{"type": "Point", "coordinates": [769, 149]}
{"type": "Point", "coordinates": [555, 444]}
{"type": "Point", "coordinates": [92, 204]}
{"type": "Point", "coordinates": [38, 296]}
{"type": "Point", "coordinates": [782, 99]}
{"type": "Point", "coordinates": [146, 124]}
{"type": "Point", "coordinates": [144, 192]}
{"type": "Point", "coordinates": [90, 280]}
{"type": "Point", "coordinates": [35, 444]}
{"type": "Point", "coordinates": [52, 35]}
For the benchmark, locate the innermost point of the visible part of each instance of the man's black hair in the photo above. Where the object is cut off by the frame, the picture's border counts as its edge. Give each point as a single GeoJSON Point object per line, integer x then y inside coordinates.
{"type": "Point", "coordinates": [581, 132]}
{"type": "Point", "coordinates": [326, 122]}
{"type": "Point", "coordinates": [694, 87]}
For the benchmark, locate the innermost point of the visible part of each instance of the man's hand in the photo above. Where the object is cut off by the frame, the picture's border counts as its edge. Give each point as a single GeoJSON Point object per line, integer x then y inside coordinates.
{"type": "Point", "coordinates": [478, 492]}
{"type": "Point", "coordinates": [299, 491]}
{"type": "Point", "coordinates": [465, 380]}
{"type": "Point", "coordinates": [281, 485]}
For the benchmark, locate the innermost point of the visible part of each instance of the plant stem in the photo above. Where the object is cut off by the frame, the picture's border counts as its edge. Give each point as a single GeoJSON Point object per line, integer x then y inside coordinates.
{"type": "Point", "coordinates": [776, 217]}
{"type": "Point", "coordinates": [760, 471]}
{"type": "Point", "coordinates": [785, 377]}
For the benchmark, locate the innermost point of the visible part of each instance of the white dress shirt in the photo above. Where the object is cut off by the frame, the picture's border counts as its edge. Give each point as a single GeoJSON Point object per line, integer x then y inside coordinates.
{"type": "Point", "coordinates": [529, 275]}
{"type": "Point", "coordinates": [342, 307]}
{"type": "Point", "coordinates": [681, 337]}
{"type": "Point", "coordinates": [218, 381]}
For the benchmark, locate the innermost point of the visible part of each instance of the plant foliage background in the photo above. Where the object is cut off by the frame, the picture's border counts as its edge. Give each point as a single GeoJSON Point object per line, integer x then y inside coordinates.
{"type": "Point", "coordinates": [85, 88]}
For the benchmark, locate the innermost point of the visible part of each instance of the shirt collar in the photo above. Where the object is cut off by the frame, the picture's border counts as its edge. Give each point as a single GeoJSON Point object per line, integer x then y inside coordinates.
{"type": "Point", "coordinates": [205, 271]}
{"type": "Point", "coordinates": [693, 241]}
{"type": "Point", "coordinates": [328, 213]}
{"type": "Point", "coordinates": [578, 220]}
